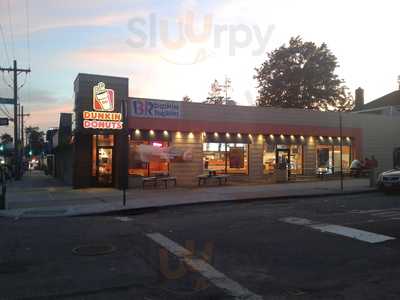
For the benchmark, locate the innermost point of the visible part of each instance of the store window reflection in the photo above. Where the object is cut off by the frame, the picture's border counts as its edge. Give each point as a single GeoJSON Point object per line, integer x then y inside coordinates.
{"type": "Point", "coordinates": [143, 163]}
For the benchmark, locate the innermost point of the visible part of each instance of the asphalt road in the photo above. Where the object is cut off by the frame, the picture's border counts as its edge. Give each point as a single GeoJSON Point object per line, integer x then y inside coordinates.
{"type": "Point", "coordinates": [246, 250]}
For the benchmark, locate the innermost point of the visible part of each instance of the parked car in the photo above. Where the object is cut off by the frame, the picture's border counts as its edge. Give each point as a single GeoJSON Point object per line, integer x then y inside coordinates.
{"type": "Point", "coordinates": [389, 180]}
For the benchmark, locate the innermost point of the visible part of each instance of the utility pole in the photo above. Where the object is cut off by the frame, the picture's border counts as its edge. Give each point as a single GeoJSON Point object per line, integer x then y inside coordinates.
{"type": "Point", "coordinates": [22, 115]}
{"type": "Point", "coordinates": [16, 72]}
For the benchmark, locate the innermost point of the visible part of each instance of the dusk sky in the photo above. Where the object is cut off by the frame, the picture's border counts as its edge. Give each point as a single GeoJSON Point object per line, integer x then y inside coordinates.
{"type": "Point", "coordinates": [123, 38]}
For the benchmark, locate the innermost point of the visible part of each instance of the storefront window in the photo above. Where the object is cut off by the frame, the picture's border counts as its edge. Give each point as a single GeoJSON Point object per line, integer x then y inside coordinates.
{"type": "Point", "coordinates": [102, 159]}
{"type": "Point", "coordinates": [237, 159]}
{"type": "Point", "coordinates": [269, 159]}
{"type": "Point", "coordinates": [296, 159]}
{"type": "Point", "coordinates": [289, 155]}
{"type": "Point", "coordinates": [226, 158]}
{"type": "Point", "coordinates": [328, 157]}
{"type": "Point", "coordinates": [145, 161]}
{"type": "Point", "coordinates": [105, 141]}
{"type": "Point", "coordinates": [214, 157]}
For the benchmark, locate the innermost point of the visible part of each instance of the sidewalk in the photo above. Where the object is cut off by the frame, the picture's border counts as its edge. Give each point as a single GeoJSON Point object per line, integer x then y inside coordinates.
{"type": "Point", "coordinates": [38, 195]}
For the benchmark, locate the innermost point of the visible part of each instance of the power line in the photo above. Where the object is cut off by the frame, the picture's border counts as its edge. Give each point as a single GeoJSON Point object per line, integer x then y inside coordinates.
{"type": "Point", "coordinates": [28, 32]}
{"type": "Point", "coordinates": [5, 44]}
{"type": "Point", "coordinates": [11, 29]}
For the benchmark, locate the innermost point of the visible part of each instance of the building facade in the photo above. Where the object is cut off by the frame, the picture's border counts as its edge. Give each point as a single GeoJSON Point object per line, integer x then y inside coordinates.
{"type": "Point", "coordinates": [118, 140]}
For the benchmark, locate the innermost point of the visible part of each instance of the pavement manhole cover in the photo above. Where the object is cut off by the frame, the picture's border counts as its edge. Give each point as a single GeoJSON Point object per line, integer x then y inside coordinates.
{"type": "Point", "coordinates": [94, 250]}
{"type": "Point", "coordinates": [45, 212]}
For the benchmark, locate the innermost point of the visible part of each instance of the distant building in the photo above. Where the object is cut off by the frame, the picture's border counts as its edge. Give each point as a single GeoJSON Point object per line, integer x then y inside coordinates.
{"type": "Point", "coordinates": [388, 105]}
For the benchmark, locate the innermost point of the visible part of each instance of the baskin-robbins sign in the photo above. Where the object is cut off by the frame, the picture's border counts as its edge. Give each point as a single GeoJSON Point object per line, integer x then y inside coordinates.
{"type": "Point", "coordinates": [103, 115]}
{"type": "Point", "coordinates": [157, 109]}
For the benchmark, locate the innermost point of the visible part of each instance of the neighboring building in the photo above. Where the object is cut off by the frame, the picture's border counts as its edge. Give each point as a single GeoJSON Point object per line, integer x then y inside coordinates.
{"type": "Point", "coordinates": [119, 139]}
{"type": "Point", "coordinates": [388, 105]}
{"type": "Point", "coordinates": [59, 163]}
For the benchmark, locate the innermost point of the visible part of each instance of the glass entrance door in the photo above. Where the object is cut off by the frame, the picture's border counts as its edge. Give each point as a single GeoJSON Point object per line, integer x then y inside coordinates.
{"type": "Point", "coordinates": [283, 159]}
{"type": "Point", "coordinates": [104, 166]}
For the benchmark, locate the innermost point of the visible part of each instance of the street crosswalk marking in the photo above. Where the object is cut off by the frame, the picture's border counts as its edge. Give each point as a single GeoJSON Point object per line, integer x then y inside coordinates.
{"type": "Point", "coordinates": [349, 232]}
{"type": "Point", "coordinates": [226, 284]}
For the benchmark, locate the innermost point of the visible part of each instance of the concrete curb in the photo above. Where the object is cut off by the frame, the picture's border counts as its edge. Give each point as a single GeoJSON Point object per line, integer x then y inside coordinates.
{"type": "Point", "coordinates": [150, 209]}
{"type": "Point", "coordinates": [69, 212]}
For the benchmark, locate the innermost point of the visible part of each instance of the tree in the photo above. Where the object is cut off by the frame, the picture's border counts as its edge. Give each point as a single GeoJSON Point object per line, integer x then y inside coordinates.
{"type": "Point", "coordinates": [6, 139]}
{"type": "Point", "coordinates": [219, 93]}
{"type": "Point", "coordinates": [35, 139]}
{"type": "Point", "coordinates": [302, 75]}
{"type": "Point", "coordinates": [215, 94]}
{"type": "Point", "coordinates": [186, 99]}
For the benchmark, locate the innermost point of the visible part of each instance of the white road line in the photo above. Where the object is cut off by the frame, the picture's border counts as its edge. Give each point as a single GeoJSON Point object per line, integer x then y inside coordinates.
{"type": "Point", "coordinates": [226, 284]}
{"type": "Point", "coordinates": [353, 233]}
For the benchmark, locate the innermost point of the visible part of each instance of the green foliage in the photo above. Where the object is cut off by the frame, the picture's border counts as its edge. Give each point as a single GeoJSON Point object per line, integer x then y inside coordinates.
{"type": "Point", "coordinates": [35, 139]}
{"type": "Point", "coordinates": [302, 75]}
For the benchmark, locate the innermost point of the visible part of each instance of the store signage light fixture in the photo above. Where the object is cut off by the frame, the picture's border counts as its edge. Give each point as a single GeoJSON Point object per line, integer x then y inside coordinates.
{"type": "Point", "coordinates": [103, 116]}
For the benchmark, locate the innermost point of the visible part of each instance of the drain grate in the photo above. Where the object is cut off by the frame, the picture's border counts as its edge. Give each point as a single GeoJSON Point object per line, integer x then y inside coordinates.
{"type": "Point", "coordinates": [94, 250]}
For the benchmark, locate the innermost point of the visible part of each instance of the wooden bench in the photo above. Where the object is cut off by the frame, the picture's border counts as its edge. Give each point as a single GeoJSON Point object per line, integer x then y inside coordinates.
{"type": "Point", "coordinates": [166, 180]}
{"type": "Point", "coordinates": [205, 178]}
{"type": "Point", "coordinates": [154, 180]}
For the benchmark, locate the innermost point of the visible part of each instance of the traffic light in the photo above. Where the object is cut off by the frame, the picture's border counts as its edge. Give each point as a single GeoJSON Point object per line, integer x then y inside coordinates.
{"type": "Point", "coordinates": [30, 152]}
{"type": "Point", "coordinates": [1, 148]}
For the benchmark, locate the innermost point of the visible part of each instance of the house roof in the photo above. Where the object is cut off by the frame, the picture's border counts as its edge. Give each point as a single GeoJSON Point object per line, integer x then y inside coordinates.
{"type": "Point", "coordinates": [392, 99]}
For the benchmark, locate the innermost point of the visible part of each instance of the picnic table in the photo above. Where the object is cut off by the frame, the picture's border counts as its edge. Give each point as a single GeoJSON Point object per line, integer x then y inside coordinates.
{"type": "Point", "coordinates": [154, 180]}
{"type": "Point", "coordinates": [208, 177]}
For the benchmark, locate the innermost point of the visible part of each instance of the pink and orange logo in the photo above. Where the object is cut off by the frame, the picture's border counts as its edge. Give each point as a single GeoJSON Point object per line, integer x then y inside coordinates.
{"type": "Point", "coordinates": [103, 99]}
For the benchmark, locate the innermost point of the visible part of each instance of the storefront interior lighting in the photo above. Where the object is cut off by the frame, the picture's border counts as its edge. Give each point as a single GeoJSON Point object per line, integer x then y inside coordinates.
{"type": "Point", "coordinates": [348, 139]}
{"type": "Point", "coordinates": [228, 135]}
{"type": "Point", "coordinates": [239, 135]}
{"type": "Point", "coordinates": [292, 137]}
{"type": "Point", "coordinates": [166, 133]}
{"type": "Point", "coordinates": [216, 134]}
{"type": "Point", "coordinates": [191, 135]}
{"type": "Point", "coordinates": [151, 132]}
{"type": "Point", "coordinates": [302, 138]}
{"type": "Point", "coordinates": [137, 132]}
{"type": "Point", "coordinates": [282, 137]}
{"type": "Point", "coordinates": [178, 134]}
{"type": "Point", "coordinates": [321, 138]}
{"type": "Point", "coordinates": [271, 136]}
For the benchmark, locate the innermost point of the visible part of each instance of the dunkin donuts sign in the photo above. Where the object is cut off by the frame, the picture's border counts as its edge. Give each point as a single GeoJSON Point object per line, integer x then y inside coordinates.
{"type": "Point", "coordinates": [103, 116]}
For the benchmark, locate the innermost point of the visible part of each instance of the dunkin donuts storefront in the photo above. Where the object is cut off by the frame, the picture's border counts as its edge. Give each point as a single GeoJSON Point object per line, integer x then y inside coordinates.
{"type": "Point", "coordinates": [119, 140]}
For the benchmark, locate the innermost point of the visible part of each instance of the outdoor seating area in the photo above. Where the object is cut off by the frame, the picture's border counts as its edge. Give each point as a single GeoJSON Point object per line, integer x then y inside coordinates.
{"type": "Point", "coordinates": [157, 178]}
{"type": "Point", "coordinates": [212, 177]}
